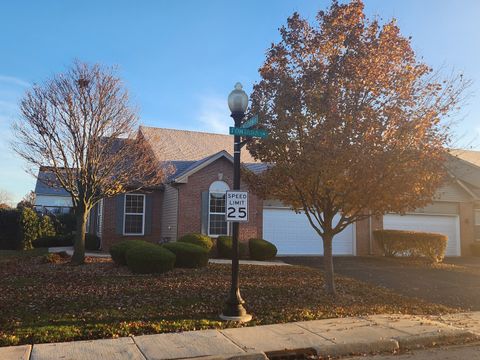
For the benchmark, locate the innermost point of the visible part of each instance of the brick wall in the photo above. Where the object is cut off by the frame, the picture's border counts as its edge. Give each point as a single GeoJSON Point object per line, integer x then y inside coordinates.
{"type": "Point", "coordinates": [365, 242]}
{"type": "Point", "coordinates": [467, 227]}
{"type": "Point", "coordinates": [190, 195]}
{"type": "Point", "coordinates": [109, 234]}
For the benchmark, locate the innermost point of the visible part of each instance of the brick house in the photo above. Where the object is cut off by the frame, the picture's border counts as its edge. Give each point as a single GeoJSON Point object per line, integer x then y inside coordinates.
{"type": "Point", "coordinates": [192, 200]}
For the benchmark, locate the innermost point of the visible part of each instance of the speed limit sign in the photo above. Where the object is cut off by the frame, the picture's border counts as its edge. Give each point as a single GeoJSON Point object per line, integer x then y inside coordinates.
{"type": "Point", "coordinates": [237, 206]}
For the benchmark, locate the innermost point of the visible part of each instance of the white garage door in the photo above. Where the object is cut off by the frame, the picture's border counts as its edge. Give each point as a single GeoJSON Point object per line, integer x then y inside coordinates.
{"type": "Point", "coordinates": [293, 234]}
{"type": "Point", "coordinates": [443, 224]}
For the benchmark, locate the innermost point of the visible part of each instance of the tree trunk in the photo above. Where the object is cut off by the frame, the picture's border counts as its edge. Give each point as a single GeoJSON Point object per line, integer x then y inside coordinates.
{"type": "Point", "coordinates": [328, 264]}
{"type": "Point", "coordinates": [78, 257]}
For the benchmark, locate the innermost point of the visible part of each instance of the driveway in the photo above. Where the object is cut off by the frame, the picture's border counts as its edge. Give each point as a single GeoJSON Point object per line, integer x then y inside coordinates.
{"type": "Point", "coordinates": [455, 283]}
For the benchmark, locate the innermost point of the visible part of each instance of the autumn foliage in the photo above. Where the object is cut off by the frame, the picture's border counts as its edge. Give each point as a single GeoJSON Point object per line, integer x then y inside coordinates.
{"type": "Point", "coordinates": [357, 124]}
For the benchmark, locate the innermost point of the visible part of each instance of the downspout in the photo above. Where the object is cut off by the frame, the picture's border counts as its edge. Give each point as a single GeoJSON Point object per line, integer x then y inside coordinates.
{"type": "Point", "coordinates": [370, 245]}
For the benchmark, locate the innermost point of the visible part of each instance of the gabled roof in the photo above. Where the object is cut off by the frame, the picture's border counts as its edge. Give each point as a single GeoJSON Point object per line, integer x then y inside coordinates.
{"type": "Point", "coordinates": [183, 145]}
{"type": "Point", "coordinates": [183, 169]}
{"type": "Point", "coordinates": [195, 166]}
{"type": "Point", "coordinates": [47, 184]}
{"type": "Point", "coordinates": [470, 156]}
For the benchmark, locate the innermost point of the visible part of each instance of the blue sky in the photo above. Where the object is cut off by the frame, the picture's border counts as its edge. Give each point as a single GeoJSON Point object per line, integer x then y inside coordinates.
{"type": "Point", "coordinates": [180, 59]}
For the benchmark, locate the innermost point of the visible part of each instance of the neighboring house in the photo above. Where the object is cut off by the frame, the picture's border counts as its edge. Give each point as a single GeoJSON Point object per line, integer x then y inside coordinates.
{"type": "Point", "coordinates": [192, 200]}
{"type": "Point", "coordinates": [49, 195]}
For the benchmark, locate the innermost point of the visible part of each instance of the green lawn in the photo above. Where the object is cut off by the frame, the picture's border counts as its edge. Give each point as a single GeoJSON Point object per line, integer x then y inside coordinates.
{"type": "Point", "coordinates": [7, 255]}
{"type": "Point", "coordinates": [46, 302]}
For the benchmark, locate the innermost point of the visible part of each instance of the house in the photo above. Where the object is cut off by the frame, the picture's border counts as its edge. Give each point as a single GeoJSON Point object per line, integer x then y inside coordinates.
{"type": "Point", "coordinates": [192, 200]}
{"type": "Point", "coordinates": [50, 197]}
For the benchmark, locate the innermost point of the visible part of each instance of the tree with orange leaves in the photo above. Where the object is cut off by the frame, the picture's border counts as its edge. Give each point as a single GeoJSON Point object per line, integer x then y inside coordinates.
{"type": "Point", "coordinates": [358, 126]}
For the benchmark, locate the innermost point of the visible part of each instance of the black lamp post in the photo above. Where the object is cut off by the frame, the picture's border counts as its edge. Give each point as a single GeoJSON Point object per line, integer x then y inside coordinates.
{"type": "Point", "coordinates": [233, 309]}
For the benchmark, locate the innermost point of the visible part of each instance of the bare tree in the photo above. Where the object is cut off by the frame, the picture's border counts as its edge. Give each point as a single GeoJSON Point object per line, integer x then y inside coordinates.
{"type": "Point", "coordinates": [5, 199]}
{"type": "Point", "coordinates": [80, 123]}
{"type": "Point", "coordinates": [27, 201]}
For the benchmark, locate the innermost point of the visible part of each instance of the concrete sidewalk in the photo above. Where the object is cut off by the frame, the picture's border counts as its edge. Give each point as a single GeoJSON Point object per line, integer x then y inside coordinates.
{"type": "Point", "coordinates": [343, 336]}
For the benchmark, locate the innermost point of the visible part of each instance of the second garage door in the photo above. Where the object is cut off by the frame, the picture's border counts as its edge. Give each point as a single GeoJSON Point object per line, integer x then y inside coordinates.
{"type": "Point", "coordinates": [293, 234]}
{"type": "Point", "coordinates": [443, 224]}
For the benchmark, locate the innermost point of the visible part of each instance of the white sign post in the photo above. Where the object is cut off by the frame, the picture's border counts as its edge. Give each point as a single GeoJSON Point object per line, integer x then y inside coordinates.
{"type": "Point", "coordinates": [237, 206]}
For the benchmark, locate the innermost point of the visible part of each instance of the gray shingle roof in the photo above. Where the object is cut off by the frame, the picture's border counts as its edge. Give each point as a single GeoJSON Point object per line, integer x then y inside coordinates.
{"type": "Point", "coordinates": [183, 145]}
{"type": "Point", "coordinates": [47, 184]}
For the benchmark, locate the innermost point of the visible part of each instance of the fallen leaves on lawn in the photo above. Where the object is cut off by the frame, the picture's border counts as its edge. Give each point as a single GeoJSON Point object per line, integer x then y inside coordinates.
{"type": "Point", "coordinates": [49, 302]}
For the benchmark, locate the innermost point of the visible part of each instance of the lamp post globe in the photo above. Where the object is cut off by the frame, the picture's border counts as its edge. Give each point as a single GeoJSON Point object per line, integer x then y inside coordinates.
{"type": "Point", "coordinates": [233, 309]}
{"type": "Point", "coordinates": [238, 99]}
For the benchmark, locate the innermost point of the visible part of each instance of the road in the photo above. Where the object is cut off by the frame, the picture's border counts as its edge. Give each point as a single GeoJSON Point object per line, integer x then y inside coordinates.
{"type": "Point", "coordinates": [465, 352]}
{"type": "Point", "coordinates": [455, 283]}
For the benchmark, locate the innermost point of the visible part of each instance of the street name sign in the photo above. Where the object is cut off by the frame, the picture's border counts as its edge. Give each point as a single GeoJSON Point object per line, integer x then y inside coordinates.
{"type": "Point", "coordinates": [259, 133]}
{"type": "Point", "coordinates": [237, 206]}
{"type": "Point", "coordinates": [250, 122]}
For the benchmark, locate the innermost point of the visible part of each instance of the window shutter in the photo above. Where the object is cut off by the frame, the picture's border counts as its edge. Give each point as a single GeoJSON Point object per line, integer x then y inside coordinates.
{"type": "Point", "coordinates": [148, 214]}
{"type": "Point", "coordinates": [204, 212]}
{"type": "Point", "coordinates": [119, 209]}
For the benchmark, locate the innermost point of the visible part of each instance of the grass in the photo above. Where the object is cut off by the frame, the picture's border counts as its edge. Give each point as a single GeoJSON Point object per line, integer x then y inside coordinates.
{"type": "Point", "coordinates": [50, 302]}
{"type": "Point", "coordinates": [6, 255]}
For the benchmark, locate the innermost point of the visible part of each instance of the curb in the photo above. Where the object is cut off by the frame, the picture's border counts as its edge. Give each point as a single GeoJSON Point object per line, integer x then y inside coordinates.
{"type": "Point", "coordinates": [442, 338]}
{"type": "Point", "coordinates": [246, 356]}
{"type": "Point", "coordinates": [379, 346]}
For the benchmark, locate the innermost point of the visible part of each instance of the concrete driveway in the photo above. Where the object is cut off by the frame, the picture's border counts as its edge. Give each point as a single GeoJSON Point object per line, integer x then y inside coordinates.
{"type": "Point", "coordinates": [455, 283]}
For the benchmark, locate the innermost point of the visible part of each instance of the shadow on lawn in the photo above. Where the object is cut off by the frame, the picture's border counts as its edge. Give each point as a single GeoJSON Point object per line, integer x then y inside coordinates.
{"type": "Point", "coordinates": [44, 302]}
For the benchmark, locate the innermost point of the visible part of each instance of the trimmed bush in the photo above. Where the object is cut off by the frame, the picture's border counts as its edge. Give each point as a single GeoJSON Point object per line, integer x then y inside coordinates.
{"type": "Point", "coordinates": [119, 250]}
{"type": "Point", "coordinates": [261, 249]}
{"type": "Point", "coordinates": [412, 243]}
{"type": "Point", "coordinates": [54, 241]}
{"type": "Point", "coordinates": [188, 255]}
{"type": "Point", "coordinates": [197, 239]}
{"type": "Point", "coordinates": [92, 242]}
{"type": "Point", "coordinates": [225, 250]}
{"type": "Point", "coordinates": [149, 258]}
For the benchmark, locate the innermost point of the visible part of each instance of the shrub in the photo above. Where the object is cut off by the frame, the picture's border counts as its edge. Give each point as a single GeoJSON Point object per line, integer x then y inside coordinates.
{"type": "Point", "coordinates": [29, 228]}
{"type": "Point", "coordinates": [92, 242]}
{"type": "Point", "coordinates": [54, 241]}
{"type": "Point", "coordinates": [261, 249]}
{"type": "Point", "coordinates": [188, 255]}
{"type": "Point", "coordinates": [66, 223]}
{"type": "Point", "coordinates": [10, 236]}
{"type": "Point", "coordinates": [412, 243]}
{"type": "Point", "coordinates": [46, 226]}
{"type": "Point", "coordinates": [20, 228]}
{"type": "Point", "coordinates": [224, 247]}
{"type": "Point", "coordinates": [119, 250]}
{"type": "Point", "coordinates": [149, 258]}
{"type": "Point", "coordinates": [197, 239]}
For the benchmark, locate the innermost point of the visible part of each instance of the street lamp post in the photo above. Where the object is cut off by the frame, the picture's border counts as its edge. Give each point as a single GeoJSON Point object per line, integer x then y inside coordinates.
{"type": "Point", "coordinates": [233, 309]}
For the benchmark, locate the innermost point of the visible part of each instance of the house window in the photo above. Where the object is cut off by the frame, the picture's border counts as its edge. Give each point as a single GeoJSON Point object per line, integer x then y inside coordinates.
{"type": "Point", "coordinates": [216, 215]}
{"type": "Point", "coordinates": [134, 218]}
{"type": "Point", "coordinates": [99, 224]}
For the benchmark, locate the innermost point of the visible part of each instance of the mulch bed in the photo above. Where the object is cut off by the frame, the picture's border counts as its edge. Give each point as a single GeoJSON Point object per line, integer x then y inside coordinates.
{"type": "Point", "coordinates": [49, 300]}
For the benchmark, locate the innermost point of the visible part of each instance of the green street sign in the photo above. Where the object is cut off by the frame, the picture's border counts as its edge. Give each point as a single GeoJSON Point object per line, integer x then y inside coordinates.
{"type": "Point", "coordinates": [250, 122]}
{"type": "Point", "coordinates": [259, 133]}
